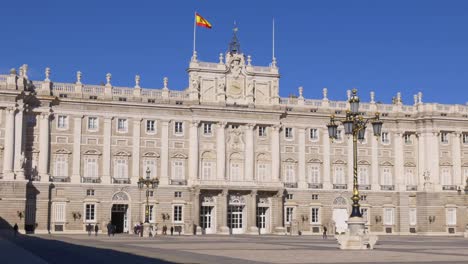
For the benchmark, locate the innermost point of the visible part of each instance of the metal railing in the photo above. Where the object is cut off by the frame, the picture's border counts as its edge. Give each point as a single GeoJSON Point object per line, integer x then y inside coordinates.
{"type": "Point", "coordinates": [90, 180]}
{"type": "Point", "coordinates": [387, 187]}
{"type": "Point", "coordinates": [121, 181]}
{"type": "Point", "coordinates": [449, 187]}
{"type": "Point", "coordinates": [340, 186]}
{"type": "Point", "coordinates": [178, 182]}
{"type": "Point", "coordinates": [290, 184]}
{"type": "Point", "coordinates": [315, 186]}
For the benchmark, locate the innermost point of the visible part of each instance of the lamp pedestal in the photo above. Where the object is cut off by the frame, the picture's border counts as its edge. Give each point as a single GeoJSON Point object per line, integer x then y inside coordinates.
{"type": "Point", "coordinates": [146, 229]}
{"type": "Point", "coordinates": [356, 238]}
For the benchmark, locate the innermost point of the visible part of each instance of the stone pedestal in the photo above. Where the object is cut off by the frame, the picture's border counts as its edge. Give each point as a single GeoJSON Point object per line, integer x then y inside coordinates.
{"type": "Point", "coordinates": [356, 238]}
{"type": "Point", "coordinates": [146, 229]}
{"type": "Point", "coordinates": [224, 230]}
{"type": "Point", "coordinates": [280, 230]}
{"type": "Point", "coordinates": [253, 230]}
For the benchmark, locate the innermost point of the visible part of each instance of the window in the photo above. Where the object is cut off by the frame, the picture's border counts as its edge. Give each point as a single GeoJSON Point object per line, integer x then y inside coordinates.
{"type": "Point", "coordinates": [314, 174]}
{"type": "Point", "coordinates": [207, 170]}
{"type": "Point", "coordinates": [59, 212]}
{"type": "Point", "coordinates": [207, 129]}
{"type": "Point", "coordinates": [451, 214]}
{"type": "Point", "coordinates": [151, 101]}
{"type": "Point", "coordinates": [365, 214]}
{"type": "Point", "coordinates": [412, 217]}
{"type": "Point", "coordinates": [339, 175]}
{"type": "Point", "coordinates": [234, 126]}
{"type": "Point", "coordinates": [177, 213]}
{"type": "Point", "coordinates": [178, 170]}
{"type": "Point", "coordinates": [289, 196]}
{"type": "Point", "coordinates": [151, 165]}
{"type": "Point", "coordinates": [363, 198]}
{"type": "Point", "coordinates": [178, 128]}
{"type": "Point", "coordinates": [150, 126]}
{"type": "Point", "coordinates": [262, 172]}
{"type": "Point", "coordinates": [61, 166]}
{"type": "Point", "coordinates": [120, 169]}
{"type": "Point", "coordinates": [63, 95]}
{"type": "Point", "coordinates": [315, 196]}
{"type": "Point", "coordinates": [93, 97]}
{"type": "Point", "coordinates": [444, 137]}
{"type": "Point", "coordinates": [389, 214]}
{"type": "Point", "coordinates": [62, 122]}
{"type": "Point", "coordinates": [150, 193]}
{"type": "Point", "coordinates": [387, 178]}
{"type": "Point", "coordinates": [465, 138]}
{"type": "Point", "coordinates": [90, 212]}
{"type": "Point", "coordinates": [177, 194]}
{"type": "Point", "coordinates": [363, 176]}
{"type": "Point", "coordinates": [151, 214]}
{"type": "Point", "coordinates": [446, 177]}
{"type": "Point", "coordinates": [289, 215]}
{"type": "Point", "coordinates": [122, 125]}
{"type": "Point", "coordinates": [314, 134]}
{"type": "Point", "coordinates": [262, 131]}
{"type": "Point", "coordinates": [407, 138]}
{"type": "Point", "coordinates": [235, 171]}
{"type": "Point", "coordinates": [314, 216]}
{"type": "Point", "coordinates": [409, 175]}
{"type": "Point", "coordinates": [91, 167]}
{"type": "Point", "coordinates": [288, 133]}
{"type": "Point", "coordinates": [179, 102]}
{"type": "Point", "coordinates": [92, 123]}
{"type": "Point", "coordinates": [90, 192]}
{"type": "Point", "coordinates": [385, 138]}
{"type": "Point", "coordinates": [122, 99]}
{"type": "Point", "coordinates": [290, 176]}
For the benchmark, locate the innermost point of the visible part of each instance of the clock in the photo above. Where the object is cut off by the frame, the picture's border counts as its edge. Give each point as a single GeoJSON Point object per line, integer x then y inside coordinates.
{"type": "Point", "coordinates": [235, 88]}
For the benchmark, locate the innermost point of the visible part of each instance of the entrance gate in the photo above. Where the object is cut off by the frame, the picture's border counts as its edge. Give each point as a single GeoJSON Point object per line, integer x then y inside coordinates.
{"type": "Point", "coordinates": [119, 217]}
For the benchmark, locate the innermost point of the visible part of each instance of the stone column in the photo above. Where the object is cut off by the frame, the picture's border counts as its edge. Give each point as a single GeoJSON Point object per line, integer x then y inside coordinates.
{"type": "Point", "coordinates": [456, 155]}
{"type": "Point", "coordinates": [275, 153]}
{"type": "Point", "coordinates": [136, 171]}
{"type": "Point", "coordinates": [421, 141]}
{"type": "Point", "coordinates": [76, 170]}
{"type": "Point", "coordinates": [433, 143]}
{"type": "Point", "coordinates": [44, 146]}
{"type": "Point", "coordinates": [375, 162]}
{"type": "Point", "coordinates": [193, 148]}
{"type": "Point", "coordinates": [19, 132]}
{"type": "Point", "coordinates": [278, 212]}
{"type": "Point", "coordinates": [249, 153]}
{"type": "Point", "coordinates": [196, 210]}
{"type": "Point", "coordinates": [221, 151]}
{"type": "Point", "coordinates": [399, 182]}
{"type": "Point", "coordinates": [252, 213]}
{"type": "Point", "coordinates": [327, 181]}
{"type": "Point", "coordinates": [164, 178]}
{"type": "Point", "coordinates": [106, 153]}
{"type": "Point", "coordinates": [302, 182]}
{"type": "Point", "coordinates": [223, 204]}
{"type": "Point", "coordinates": [9, 144]}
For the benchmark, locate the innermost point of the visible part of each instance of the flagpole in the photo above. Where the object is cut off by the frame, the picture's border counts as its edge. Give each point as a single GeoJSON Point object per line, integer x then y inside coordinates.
{"type": "Point", "coordinates": [194, 31]}
{"type": "Point", "coordinates": [273, 39]}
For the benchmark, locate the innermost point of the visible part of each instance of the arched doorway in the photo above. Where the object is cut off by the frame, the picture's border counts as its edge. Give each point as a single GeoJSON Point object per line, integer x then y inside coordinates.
{"type": "Point", "coordinates": [120, 212]}
{"type": "Point", "coordinates": [340, 215]}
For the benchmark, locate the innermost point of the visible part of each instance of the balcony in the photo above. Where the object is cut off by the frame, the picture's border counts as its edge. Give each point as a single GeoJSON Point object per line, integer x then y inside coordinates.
{"type": "Point", "coordinates": [315, 186]}
{"type": "Point", "coordinates": [178, 182]}
{"type": "Point", "coordinates": [90, 180]}
{"type": "Point", "coordinates": [290, 185]}
{"type": "Point", "coordinates": [364, 187]}
{"type": "Point", "coordinates": [387, 187]}
{"type": "Point", "coordinates": [120, 181]}
{"type": "Point", "coordinates": [449, 187]}
{"type": "Point", "coordinates": [340, 186]}
{"type": "Point", "coordinates": [59, 179]}
{"type": "Point", "coordinates": [411, 187]}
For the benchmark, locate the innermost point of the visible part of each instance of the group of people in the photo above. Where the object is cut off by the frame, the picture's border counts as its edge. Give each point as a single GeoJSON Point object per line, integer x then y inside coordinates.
{"type": "Point", "coordinates": [89, 229]}
{"type": "Point", "coordinates": [153, 231]}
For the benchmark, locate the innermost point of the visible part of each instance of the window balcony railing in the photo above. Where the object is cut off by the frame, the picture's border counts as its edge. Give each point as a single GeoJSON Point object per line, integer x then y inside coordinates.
{"type": "Point", "coordinates": [387, 187]}
{"type": "Point", "coordinates": [411, 187]}
{"type": "Point", "coordinates": [340, 186]}
{"type": "Point", "coordinates": [60, 179]}
{"type": "Point", "coordinates": [120, 181]}
{"type": "Point", "coordinates": [90, 180]}
{"type": "Point", "coordinates": [364, 187]}
{"type": "Point", "coordinates": [290, 184]}
{"type": "Point", "coordinates": [315, 186]}
{"type": "Point", "coordinates": [178, 182]}
{"type": "Point", "coordinates": [449, 187]}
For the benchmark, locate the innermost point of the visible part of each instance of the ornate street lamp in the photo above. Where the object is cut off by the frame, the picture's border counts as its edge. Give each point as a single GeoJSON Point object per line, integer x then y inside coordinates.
{"type": "Point", "coordinates": [150, 184]}
{"type": "Point", "coordinates": [355, 124]}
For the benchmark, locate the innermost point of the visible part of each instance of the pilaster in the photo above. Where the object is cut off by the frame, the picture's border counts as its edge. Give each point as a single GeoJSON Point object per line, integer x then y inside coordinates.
{"type": "Point", "coordinates": [193, 148]}
{"type": "Point", "coordinates": [76, 171]}
{"type": "Point", "coordinates": [106, 154]}
{"type": "Point", "coordinates": [221, 151]}
{"type": "Point", "coordinates": [136, 173]}
{"type": "Point", "coordinates": [19, 135]}
{"type": "Point", "coordinates": [302, 183]}
{"type": "Point", "coordinates": [374, 163]}
{"type": "Point", "coordinates": [400, 184]}
{"type": "Point", "coordinates": [275, 153]}
{"type": "Point", "coordinates": [456, 155]}
{"type": "Point", "coordinates": [252, 213]}
{"type": "Point", "coordinates": [9, 144]}
{"type": "Point", "coordinates": [326, 164]}
{"type": "Point", "coordinates": [223, 204]}
{"type": "Point", "coordinates": [44, 146]}
{"type": "Point", "coordinates": [350, 173]}
{"type": "Point", "coordinates": [249, 153]}
{"type": "Point", "coordinates": [164, 179]}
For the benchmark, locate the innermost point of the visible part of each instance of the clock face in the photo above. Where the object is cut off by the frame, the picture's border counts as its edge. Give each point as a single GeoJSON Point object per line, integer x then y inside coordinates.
{"type": "Point", "coordinates": [235, 88]}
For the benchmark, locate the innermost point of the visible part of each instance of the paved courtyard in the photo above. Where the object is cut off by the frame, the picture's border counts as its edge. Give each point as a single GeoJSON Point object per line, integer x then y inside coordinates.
{"type": "Point", "coordinates": [227, 249]}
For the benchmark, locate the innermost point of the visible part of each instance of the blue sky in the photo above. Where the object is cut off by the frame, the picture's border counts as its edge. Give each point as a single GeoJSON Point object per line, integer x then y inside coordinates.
{"type": "Point", "coordinates": [385, 46]}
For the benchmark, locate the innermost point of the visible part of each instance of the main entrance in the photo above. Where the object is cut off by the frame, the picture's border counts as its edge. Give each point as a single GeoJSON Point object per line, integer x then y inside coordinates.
{"type": "Point", "coordinates": [235, 219]}
{"type": "Point", "coordinates": [206, 219]}
{"type": "Point", "coordinates": [119, 217]}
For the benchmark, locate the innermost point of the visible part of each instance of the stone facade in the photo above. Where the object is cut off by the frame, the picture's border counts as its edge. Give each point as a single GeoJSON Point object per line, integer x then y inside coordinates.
{"type": "Point", "coordinates": [230, 154]}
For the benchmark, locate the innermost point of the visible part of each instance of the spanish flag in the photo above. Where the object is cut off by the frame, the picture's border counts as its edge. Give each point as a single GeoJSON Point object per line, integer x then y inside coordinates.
{"type": "Point", "coordinates": [201, 22]}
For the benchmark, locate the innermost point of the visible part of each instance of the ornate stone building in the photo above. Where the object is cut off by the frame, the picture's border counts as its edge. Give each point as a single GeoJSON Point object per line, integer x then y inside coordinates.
{"type": "Point", "coordinates": [231, 155]}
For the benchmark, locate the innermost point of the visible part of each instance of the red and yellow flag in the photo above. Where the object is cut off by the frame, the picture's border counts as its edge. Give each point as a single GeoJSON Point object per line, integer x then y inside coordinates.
{"type": "Point", "coordinates": [201, 22]}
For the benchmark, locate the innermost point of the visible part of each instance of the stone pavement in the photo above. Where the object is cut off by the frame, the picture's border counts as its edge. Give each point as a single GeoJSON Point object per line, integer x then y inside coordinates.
{"type": "Point", "coordinates": [240, 249]}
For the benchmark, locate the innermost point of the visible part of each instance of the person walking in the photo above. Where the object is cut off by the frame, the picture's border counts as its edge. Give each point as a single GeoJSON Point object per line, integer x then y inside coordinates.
{"type": "Point", "coordinates": [172, 230]}
{"type": "Point", "coordinates": [109, 229]}
{"type": "Point", "coordinates": [324, 236]}
{"type": "Point", "coordinates": [164, 230]}
{"type": "Point", "coordinates": [114, 228]}
{"type": "Point", "coordinates": [155, 229]}
{"type": "Point", "coordinates": [88, 228]}
{"type": "Point", "coordinates": [15, 229]}
{"type": "Point", "coordinates": [96, 230]}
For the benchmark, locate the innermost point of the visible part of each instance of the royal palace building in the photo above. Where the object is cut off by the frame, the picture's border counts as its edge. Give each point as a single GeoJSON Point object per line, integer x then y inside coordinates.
{"type": "Point", "coordinates": [231, 156]}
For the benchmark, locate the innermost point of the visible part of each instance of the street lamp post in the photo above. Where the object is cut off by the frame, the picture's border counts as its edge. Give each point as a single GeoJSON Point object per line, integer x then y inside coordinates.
{"type": "Point", "coordinates": [355, 125]}
{"type": "Point", "coordinates": [149, 183]}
